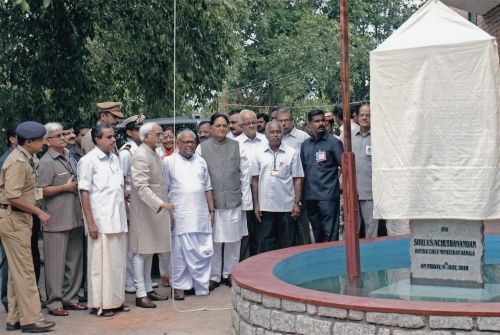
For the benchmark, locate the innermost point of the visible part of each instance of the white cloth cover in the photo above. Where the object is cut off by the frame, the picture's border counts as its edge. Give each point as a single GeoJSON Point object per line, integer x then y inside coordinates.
{"type": "Point", "coordinates": [106, 271]}
{"type": "Point", "coordinates": [191, 255]}
{"type": "Point", "coordinates": [435, 103]}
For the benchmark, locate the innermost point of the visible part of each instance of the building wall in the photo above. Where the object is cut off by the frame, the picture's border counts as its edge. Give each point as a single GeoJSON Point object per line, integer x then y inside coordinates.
{"type": "Point", "coordinates": [490, 22]}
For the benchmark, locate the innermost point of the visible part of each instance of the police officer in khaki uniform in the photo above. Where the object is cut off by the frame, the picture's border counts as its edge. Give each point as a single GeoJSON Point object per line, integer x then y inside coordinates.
{"type": "Point", "coordinates": [18, 195]}
{"type": "Point", "coordinates": [109, 113]}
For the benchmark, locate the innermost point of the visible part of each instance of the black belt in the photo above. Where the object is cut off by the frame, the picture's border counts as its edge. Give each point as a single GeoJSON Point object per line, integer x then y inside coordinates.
{"type": "Point", "coordinates": [12, 208]}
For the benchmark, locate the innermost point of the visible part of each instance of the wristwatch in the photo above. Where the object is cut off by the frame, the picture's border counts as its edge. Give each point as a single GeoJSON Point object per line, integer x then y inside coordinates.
{"type": "Point", "coordinates": [298, 203]}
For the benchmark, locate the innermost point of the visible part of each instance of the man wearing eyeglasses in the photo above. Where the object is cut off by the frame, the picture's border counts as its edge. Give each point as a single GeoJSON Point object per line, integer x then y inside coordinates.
{"type": "Point", "coordinates": [62, 240]}
{"type": "Point", "coordinates": [149, 213]}
{"type": "Point", "coordinates": [191, 194]}
{"type": "Point", "coordinates": [292, 136]}
{"type": "Point", "coordinates": [253, 142]}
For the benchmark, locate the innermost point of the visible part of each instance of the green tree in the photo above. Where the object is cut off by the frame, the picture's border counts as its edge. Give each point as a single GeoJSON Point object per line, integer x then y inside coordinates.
{"type": "Point", "coordinates": [289, 50]}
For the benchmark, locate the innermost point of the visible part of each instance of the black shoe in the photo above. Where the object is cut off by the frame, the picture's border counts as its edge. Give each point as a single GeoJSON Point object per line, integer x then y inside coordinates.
{"type": "Point", "coordinates": [144, 303]}
{"type": "Point", "coordinates": [227, 281]}
{"type": "Point", "coordinates": [156, 296]}
{"type": "Point", "coordinates": [189, 292]}
{"type": "Point", "coordinates": [212, 285]}
{"type": "Point", "coordinates": [13, 326]}
{"type": "Point", "coordinates": [38, 327]}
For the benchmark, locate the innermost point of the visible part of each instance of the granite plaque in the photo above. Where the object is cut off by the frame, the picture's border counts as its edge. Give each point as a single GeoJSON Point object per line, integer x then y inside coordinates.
{"type": "Point", "coordinates": [447, 252]}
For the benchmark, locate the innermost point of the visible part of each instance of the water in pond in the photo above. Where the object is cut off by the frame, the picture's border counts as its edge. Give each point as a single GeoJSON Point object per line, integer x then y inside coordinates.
{"type": "Point", "coordinates": [385, 273]}
{"type": "Point", "coordinates": [395, 284]}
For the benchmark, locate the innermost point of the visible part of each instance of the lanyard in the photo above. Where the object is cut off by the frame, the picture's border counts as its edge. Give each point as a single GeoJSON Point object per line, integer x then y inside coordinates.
{"type": "Point", "coordinates": [68, 167]}
{"type": "Point", "coordinates": [30, 160]}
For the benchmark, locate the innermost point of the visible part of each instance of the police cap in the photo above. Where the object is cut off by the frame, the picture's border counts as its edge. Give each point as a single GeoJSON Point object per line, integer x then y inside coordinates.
{"type": "Point", "coordinates": [134, 122]}
{"type": "Point", "coordinates": [112, 107]}
{"type": "Point", "coordinates": [30, 130]}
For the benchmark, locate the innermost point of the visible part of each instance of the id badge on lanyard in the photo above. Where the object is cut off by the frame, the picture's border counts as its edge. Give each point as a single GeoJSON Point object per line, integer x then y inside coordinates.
{"type": "Point", "coordinates": [320, 156]}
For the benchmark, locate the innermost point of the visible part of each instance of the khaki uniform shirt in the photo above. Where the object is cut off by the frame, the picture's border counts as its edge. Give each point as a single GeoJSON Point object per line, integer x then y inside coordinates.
{"type": "Point", "coordinates": [65, 210]}
{"type": "Point", "coordinates": [18, 177]}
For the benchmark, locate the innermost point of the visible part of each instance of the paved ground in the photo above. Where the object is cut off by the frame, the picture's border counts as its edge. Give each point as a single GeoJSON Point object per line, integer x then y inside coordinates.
{"type": "Point", "coordinates": [163, 320]}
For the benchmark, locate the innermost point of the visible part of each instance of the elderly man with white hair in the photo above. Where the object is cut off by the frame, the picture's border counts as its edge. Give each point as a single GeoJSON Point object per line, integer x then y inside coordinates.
{"type": "Point", "coordinates": [63, 239]}
{"type": "Point", "coordinates": [149, 230]}
{"type": "Point", "coordinates": [190, 191]}
{"type": "Point", "coordinates": [253, 143]}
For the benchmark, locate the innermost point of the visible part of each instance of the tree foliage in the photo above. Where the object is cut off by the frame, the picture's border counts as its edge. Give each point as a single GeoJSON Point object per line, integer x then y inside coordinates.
{"type": "Point", "coordinates": [58, 58]}
{"type": "Point", "coordinates": [61, 57]}
{"type": "Point", "coordinates": [290, 50]}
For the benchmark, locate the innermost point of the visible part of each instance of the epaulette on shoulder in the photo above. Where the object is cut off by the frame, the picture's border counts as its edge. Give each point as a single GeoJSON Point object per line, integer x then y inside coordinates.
{"type": "Point", "coordinates": [125, 147]}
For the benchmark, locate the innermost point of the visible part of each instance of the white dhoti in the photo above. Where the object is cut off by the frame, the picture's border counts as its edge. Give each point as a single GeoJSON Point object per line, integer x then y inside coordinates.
{"type": "Point", "coordinates": [191, 254]}
{"type": "Point", "coordinates": [106, 271]}
{"type": "Point", "coordinates": [230, 225]}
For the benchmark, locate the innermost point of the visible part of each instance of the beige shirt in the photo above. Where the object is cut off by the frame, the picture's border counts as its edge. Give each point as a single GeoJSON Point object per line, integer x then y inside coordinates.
{"type": "Point", "coordinates": [18, 176]}
{"type": "Point", "coordinates": [65, 209]}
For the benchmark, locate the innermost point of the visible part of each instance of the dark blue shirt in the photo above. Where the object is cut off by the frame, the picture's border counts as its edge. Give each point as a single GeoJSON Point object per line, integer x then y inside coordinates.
{"type": "Point", "coordinates": [321, 162]}
{"type": "Point", "coordinates": [4, 156]}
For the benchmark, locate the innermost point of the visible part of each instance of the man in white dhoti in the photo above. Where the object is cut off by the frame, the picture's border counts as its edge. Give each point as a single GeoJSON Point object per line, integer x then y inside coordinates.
{"type": "Point", "coordinates": [149, 217]}
{"type": "Point", "coordinates": [190, 191]}
{"type": "Point", "coordinates": [100, 182]}
{"type": "Point", "coordinates": [228, 168]}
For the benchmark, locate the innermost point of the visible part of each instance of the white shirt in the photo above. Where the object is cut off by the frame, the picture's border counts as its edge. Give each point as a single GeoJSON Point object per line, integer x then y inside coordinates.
{"type": "Point", "coordinates": [125, 156]}
{"type": "Point", "coordinates": [295, 138]}
{"type": "Point", "coordinates": [276, 171]}
{"type": "Point", "coordinates": [102, 177]}
{"type": "Point", "coordinates": [252, 147]}
{"type": "Point", "coordinates": [188, 180]}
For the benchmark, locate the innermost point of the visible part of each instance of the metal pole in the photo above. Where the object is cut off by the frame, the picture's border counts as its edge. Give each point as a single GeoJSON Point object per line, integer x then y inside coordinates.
{"type": "Point", "coordinates": [348, 164]}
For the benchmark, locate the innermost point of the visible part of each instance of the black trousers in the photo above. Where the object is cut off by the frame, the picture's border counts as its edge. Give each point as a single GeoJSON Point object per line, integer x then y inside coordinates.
{"type": "Point", "coordinates": [275, 231]}
{"type": "Point", "coordinates": [248, 247]}
{"type": "Point", "coordinates": [324, 218]}
{"type": "Point", "coordinates": [35, 252]}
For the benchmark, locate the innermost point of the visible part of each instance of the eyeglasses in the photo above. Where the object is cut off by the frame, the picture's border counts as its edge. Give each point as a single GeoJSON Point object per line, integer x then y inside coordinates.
{"type": "Point", "coordinates": [252, 123]}
{"type": "Point", "coordinates": [158, 134]}
{"type": "Point", "coordinates": [222, 125]}
{"type": "Point", "coordinates": [188, 142]}
{"type": "Point", "coordinates": [285, 120]}
{"type": "Point", "coordinates": [56, 136]}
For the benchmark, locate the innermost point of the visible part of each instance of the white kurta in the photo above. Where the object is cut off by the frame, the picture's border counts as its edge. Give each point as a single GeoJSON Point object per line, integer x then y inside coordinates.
{"type": "Point", "coordinates": [192, 247]}
{"type": "Point", "coordinates": [100, 174]}
{"type": "Point", "coordinates": [188, 181]}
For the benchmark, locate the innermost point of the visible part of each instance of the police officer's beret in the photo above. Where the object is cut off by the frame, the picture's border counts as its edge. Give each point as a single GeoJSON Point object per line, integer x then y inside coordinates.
{"type": "Point", "coordinates": [112, 107]}
{"type": "Point", "coordinates": [134, 122]}
{"type": "Point", "coordinates": [30, 130]}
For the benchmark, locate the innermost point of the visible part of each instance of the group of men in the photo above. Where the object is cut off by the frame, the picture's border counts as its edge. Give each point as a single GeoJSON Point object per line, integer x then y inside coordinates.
{"type": "Point", "coordinates": [253, 184]}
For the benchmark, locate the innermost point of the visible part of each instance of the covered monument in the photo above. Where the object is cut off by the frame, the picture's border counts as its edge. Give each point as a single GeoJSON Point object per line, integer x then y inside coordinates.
{"type": "Point", "coordinates": [435, 101]}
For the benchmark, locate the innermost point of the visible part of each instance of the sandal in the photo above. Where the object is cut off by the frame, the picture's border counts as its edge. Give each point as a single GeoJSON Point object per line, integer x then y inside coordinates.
{"type": "Point", "coordinates": [107, 313]}
{"type": "Point", "coordinates": [123, 308]}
